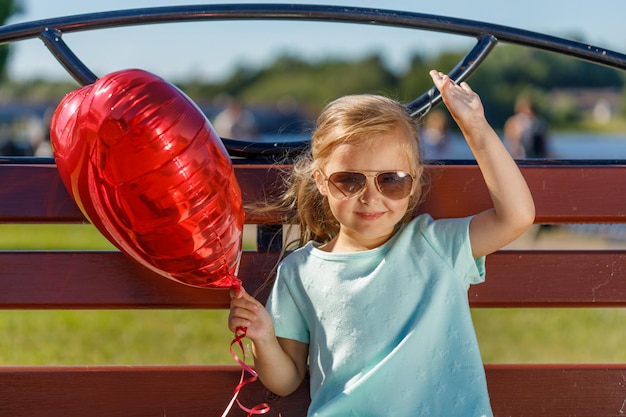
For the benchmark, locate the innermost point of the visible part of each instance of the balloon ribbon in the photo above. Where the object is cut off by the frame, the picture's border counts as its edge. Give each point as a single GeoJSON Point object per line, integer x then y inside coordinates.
{"type": "Point", "coordinates": [263, 408]}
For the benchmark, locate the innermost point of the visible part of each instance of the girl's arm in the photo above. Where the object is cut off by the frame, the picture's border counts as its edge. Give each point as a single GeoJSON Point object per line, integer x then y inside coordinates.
{"type": "Point", "coordinates": [513, 207]}
{"type": "Point", "coordinates": [280, 363]}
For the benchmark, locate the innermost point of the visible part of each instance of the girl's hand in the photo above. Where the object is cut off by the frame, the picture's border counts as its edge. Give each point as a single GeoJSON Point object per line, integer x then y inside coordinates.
{"type": "Point", "coordinates": [462, 102]}
{"type": "Point", "coordinates": [280, 363]}
{"type": "Point", "coordinates": [247, 312]}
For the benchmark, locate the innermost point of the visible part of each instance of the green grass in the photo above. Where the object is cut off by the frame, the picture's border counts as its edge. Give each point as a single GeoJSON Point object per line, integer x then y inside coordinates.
{"type": "Point", "coordinates": [52, 237]}
{"type": "Point", "coordinates": [114, 337]}
{"type": "Point", "coordinates": [124, 337]}
{"type": "Point", "coordinates": [551, 335]}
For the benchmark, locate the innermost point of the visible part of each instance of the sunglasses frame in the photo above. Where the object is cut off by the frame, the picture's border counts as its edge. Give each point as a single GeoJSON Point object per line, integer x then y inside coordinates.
{"type": "Point", "coordinates": [332, 185]}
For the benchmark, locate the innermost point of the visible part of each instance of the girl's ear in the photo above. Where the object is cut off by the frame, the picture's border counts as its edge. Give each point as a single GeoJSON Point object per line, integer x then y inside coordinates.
{"type": "Point", "coordinates": [418, 176]}
{"type": "Point", "coordinates": [320, 181]}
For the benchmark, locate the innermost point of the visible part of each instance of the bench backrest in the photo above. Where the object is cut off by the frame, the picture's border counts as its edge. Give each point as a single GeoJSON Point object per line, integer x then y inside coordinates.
{"type": "Point", "coordinates": [564, 193]}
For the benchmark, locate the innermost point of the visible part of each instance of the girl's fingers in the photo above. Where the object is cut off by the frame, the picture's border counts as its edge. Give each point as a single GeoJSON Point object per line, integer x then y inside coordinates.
{"type": "Point", "coordinates": [239, 292]}
{"type": "Point", "coordinates": [244, 299]}
{"type": "Point", "coordinates": [239, 317]}
{"type": "Point", "coordinates": [234, 324]}
{"type": "Point", "coordinates": [465, 86]}
{"type": "Point", "coordinates": [235, 293]}
{"type": "Point", "coordinates": [243, 309]}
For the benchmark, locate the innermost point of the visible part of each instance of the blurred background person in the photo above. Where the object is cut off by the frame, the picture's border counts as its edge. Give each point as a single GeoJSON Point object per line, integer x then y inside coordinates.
{"type": "Point", "coordinates": [236, 121]}
{"type": "Point", "coordinates": [435, 135]}
{"type": "Point", "coordinates": [526, 133]}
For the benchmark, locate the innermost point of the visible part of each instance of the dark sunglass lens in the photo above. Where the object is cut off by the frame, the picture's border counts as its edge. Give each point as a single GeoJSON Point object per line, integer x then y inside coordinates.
{"type": "Point", "coordinates": [347, 183]}
{"type": "Point", "coordinates": [395, 185]}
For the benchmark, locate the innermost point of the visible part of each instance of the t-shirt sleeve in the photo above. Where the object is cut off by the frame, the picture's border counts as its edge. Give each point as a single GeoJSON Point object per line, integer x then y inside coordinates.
{"type": "Point", "coordinates": [450, 237]}
{"type": "Point", "coordinates": [285, 308]}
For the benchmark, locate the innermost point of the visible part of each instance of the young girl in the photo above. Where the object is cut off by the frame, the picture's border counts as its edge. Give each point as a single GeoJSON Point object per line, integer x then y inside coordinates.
{"type": "Point", "coordinates": [374, 304]}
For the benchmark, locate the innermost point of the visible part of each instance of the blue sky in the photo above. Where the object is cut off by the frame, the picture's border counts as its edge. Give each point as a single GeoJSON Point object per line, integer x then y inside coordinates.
{"type": "Point", "coordinates": [209, 50]}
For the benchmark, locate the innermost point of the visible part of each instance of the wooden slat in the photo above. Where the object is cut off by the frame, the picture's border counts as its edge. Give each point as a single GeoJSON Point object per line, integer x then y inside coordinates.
{"type": "Point", "coordinates": [554, 278]}
{"type": "Point", "coordinates": [35, 193]}
{"type": "Point", "coordinates": [563, 193]}
{"type": "Point", "coordinates": [516, 390]}
{"type": "Point", "coordinates": [148, 391]}
{"type": "Point", "coordinates": [112, 280]}
{"type": "Point", "coordinates": [102, 280]}
{"type": "Point", "coordinates": [557, 390]}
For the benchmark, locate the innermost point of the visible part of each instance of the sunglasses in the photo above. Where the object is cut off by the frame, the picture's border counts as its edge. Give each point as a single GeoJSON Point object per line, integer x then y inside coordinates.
{"type": "Point", "coordinates": [346, 185]}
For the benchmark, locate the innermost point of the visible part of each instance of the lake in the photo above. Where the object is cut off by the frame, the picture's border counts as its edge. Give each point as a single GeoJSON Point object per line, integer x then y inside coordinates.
{"type": "Point", "coordinates": [589, 145]}
{"type": "Point", "coordinates": [561, 145]}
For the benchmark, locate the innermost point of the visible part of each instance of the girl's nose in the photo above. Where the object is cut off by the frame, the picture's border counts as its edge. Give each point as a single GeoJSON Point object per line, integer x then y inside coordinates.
{"type": "Point", "coordinates": [370, 191]}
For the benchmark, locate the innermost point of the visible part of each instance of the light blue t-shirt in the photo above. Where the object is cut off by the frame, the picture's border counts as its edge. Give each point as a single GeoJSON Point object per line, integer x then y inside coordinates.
{"type": "Point", "coordinates": [389, 329]}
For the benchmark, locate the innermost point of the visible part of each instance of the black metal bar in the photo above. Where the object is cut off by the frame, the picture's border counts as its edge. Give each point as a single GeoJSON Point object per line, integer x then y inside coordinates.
{"type": "Point", "coordinates": [59, 49]}
{"type": "Point", "coordinates": [269, 237]}
{"type": "Point", "coordinates": [252, 149]}
{"type": "Point", "coordinates": [461, 72]}
{"type": "Point", "coordinates": [371, 16]}
{"type": "Point", "coordinates": [26, 160]}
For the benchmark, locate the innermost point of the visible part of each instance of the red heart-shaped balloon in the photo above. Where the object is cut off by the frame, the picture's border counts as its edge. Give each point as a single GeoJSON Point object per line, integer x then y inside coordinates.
{"type": "Point", "coordinates": [146, 167]}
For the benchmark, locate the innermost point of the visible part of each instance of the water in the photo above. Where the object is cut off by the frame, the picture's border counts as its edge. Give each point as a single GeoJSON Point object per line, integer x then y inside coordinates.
{"type": "Point", "coordinates": [588, 145]}
{"type": "Point", "coordinates": [562, 145]}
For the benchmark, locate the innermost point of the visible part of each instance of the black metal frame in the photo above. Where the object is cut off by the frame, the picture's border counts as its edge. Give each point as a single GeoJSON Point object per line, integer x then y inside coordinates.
{"type": "Point", "coordinates": [50, 31]}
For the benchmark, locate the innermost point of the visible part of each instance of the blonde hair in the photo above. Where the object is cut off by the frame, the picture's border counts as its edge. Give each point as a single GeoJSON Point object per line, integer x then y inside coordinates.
{"type": "Point", "coordinates": [352, 119]}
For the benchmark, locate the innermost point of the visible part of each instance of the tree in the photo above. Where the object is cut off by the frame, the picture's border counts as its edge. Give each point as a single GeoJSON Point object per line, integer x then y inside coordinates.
{"type": "Point", "coordinates": [7, 9]}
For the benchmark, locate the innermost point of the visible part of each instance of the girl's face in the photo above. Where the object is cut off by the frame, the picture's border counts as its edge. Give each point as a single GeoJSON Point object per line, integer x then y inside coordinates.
{"type": "Point", "coordinates": [368, 220]}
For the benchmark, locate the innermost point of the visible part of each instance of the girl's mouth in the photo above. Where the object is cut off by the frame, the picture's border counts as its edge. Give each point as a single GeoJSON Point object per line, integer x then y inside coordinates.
{"type": "Point", "coordinates": [369, 216]}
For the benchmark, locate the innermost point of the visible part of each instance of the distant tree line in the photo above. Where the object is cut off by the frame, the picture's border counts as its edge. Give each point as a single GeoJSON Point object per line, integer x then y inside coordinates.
{"type": "Point", "coordinates": [507, 72]}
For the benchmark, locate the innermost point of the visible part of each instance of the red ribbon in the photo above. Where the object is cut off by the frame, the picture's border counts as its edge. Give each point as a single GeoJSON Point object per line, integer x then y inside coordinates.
{"type": "Point", "coordinates": [263, 408]}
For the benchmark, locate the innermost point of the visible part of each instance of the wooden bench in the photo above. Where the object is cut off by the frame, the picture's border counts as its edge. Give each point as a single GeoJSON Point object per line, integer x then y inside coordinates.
{"type": "Point", "coordinates": [32, 192]}
{"type": "Point", "coordinates": [563, 192]}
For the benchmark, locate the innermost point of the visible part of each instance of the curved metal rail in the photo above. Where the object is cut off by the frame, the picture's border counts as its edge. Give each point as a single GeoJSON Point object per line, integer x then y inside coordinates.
{"type": "Point", "coordinates": [50, 31]}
